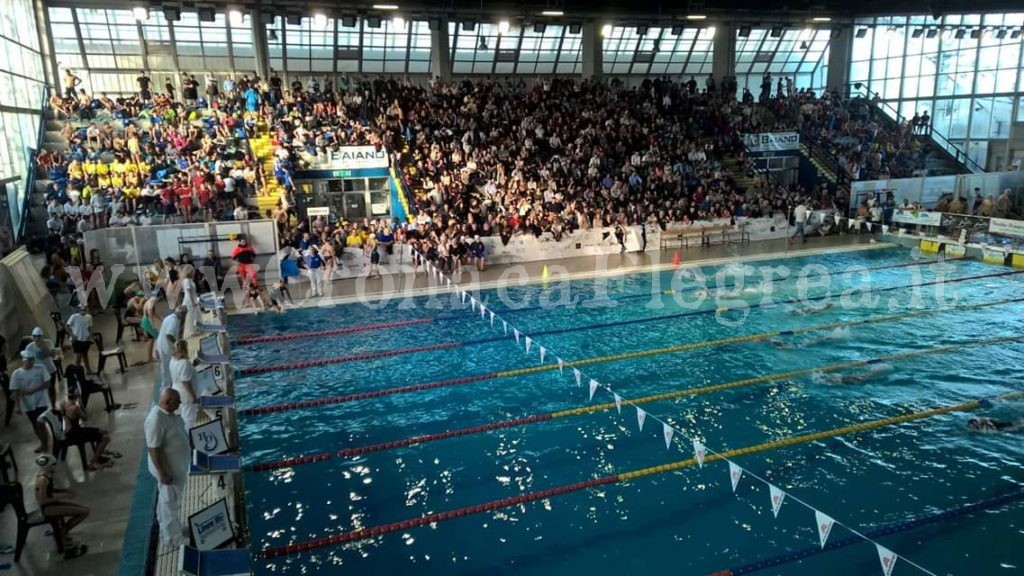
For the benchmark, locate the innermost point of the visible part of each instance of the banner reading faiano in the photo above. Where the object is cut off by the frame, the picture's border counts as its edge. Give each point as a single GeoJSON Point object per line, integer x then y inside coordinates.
{"type": "Point", "coordinates": [358, 157]}
{"type": "Point", "coordinates": [772, 142]}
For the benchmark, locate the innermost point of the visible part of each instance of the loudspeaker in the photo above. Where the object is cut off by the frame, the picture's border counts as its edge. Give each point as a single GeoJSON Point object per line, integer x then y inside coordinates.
{"type": "Point", "coordinates": [348, 21]}
{"type": "Point", "coordinates": [206, 13]}
{"type": "Point", "coordinates": [293, 20]}
{"type": "Point", "coordinates": [539, 28]}
{"type": "Point", "coordinates": [172, 13]}
{"type": "Point", "coordinates": [575, 28]}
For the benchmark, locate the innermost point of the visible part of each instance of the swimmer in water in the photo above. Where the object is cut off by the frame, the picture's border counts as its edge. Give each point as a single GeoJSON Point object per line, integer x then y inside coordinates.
{"type": "Point", "coordinates": [873, 372]}
{"type": "Point", "coordinates": [993, 425]}
{"type": "Point", "coordinates": [808, 310]}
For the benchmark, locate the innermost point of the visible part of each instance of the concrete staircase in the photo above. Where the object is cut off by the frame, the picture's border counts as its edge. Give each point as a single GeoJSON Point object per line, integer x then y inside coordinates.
{"type": "Point", "coordinates": [824, 170]}
{"type": "Point", "coordinates": [263, 149]}
{"type": "Point", "coordinates": [735, 168]}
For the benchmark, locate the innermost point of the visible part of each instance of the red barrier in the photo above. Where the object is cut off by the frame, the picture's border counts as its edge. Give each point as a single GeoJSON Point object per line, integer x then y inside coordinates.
{"type": "Point", "coordinates": [365, 395]}
{"type": "Point", "coordinates": [352, 358]}
{"type": "Point", "coordinates": [436, 517]}
{"type": "Point", "coordinates": [331, 332]}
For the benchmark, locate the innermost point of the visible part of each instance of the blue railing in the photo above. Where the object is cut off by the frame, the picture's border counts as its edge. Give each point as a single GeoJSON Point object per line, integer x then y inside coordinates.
{"type": "Point", "coordinates": [30, 167]}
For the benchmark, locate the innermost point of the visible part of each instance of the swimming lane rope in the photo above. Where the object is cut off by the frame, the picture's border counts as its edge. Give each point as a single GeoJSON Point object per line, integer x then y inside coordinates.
{"type": "Point", "coordinates": [296, 405]}
{"type": "Point", "coordinates": [365, 533]}
{"type": "Point", "coordinates": [584, 410]}
{"type": "Point", "coordinates": [874, 533]}
{"type": "Point", "coordinates": [617, 323]}
{"type": "Point", "coordinates": [329, 332]}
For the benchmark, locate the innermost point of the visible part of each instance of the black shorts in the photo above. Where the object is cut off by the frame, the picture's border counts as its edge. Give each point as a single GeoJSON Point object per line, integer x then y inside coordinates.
{"type": "Point", "coordinates": [374, 257]}
{"type": "Point", "coordinates": [33, 415]}
{"type": "Point", "coordinates": [81, 346]}
{"type": "Point", "coordinates": [84, 434]}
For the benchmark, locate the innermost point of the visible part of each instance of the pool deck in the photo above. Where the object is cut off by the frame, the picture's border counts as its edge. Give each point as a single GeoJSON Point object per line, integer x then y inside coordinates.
{"type": "Point", "coordinates": [361, 289]}
{"type": "Point", "coordinates": [109, 492]}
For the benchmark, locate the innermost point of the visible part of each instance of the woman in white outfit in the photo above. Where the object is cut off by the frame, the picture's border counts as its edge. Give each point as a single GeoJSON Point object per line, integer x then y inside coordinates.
{"type": "Point", "coordinates": [182, 375]}
{"type": "Point", "coordinates": [190, 297]}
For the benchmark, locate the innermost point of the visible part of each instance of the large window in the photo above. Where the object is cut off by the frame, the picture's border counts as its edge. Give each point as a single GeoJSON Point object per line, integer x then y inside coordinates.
{"type": "Point", "coordinates": [21, 83]}
{"type": "Point", "coordinates": [108, 48]}
{"type": "Point", "coordinates": [325, 46]}
{"type": "Point", "coordinates": [537, 49]}
{"type": "Point", "coordinates": [963, 70]}
{"type": "Point", "coordinates": [655, 51]}
{"type": "Point", "coordinates": [798, 55]}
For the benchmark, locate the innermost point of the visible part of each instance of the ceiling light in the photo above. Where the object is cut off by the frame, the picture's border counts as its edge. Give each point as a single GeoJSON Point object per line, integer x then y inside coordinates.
{"type": "Point", "coordinates": [575, 28]}
{"type": "Point", "coordinates": [932, 33]}
{"type": "Point", "coordinates": [821, 19]}
{"type": "Point", "coordinates": [862, 32]}
{"type": "Point", "coordinates": [503, 27]}
{"type": "Point", "coordinates": [385, 6]}
{"type": "Point", "coordinates": [319, 21]}
{"type": "Point", "coordinates": [206, 13]}
{"type": "Point", "coordinates": [373, 22]}
{"type": "Point", "coordinates": [744, 32]}
{"type": "Point", "coordinates": [468, 26]}
{"type": "Point", "coordinates": [1015, 33]}
{"type": "Point", "coordinates": [960, 33]}
{"type": "Point", "coordinates": [554, 13]}
{"type": "Point", "coordinates": [349, 21]}
{"type": "Point", "coordinates": [776, 32]}
{"type": "Point", "coordinates": [976, 33]}
{"type": "Point", "coordinates": [235, 17]}
{"type": "Point", "coordinates": [835, 33]}
{"type": "Point", "coordinates": [917, 33]}
{"type": "Point", "coordinates": [677, 30]}
{"type": "Point", "coordinates": [539, 27]}
{"type": "Point", "coordinates": [1001, 33]}
{"type": "Point", "coordinates": [398, 23]}
{"type": "Point", "coordinates": [641, 30]}
{"type": "Point", "coordinates": [140, 13]}
{"type": "Point", "coordinates": [696, 17]}
{"type": "Point", "coordinates": [606, 30]}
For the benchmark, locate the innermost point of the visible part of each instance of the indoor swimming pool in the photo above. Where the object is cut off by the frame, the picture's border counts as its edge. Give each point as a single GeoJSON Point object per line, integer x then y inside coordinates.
{"type": "Point", "coordinates": [729, 367]}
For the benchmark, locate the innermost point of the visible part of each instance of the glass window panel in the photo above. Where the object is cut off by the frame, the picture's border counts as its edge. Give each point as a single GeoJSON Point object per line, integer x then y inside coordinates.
{"type": "Point", "coordinates": [1002, 108]}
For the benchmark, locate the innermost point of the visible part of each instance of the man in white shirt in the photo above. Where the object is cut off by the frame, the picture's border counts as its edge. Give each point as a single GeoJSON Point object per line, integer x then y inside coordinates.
{"type": "Point", "coordinates": [169, 454]}
{"type": "Point", "coordinates": [80, 328]}
{"type": "Point", "coordinates": [29, 385]}
{"type": "Point", "coordinates": [240, 212]}
{"type": "Point", "coordinates": [85, 225]}
{"type": "Point", "coordinates": [800, 214]}
{"type": "Point", "coordinates": [170, 332]}
{"type": "Point", "coordinates": [55, 225]}
{"type": "Point", "coordinates": [43, 352]}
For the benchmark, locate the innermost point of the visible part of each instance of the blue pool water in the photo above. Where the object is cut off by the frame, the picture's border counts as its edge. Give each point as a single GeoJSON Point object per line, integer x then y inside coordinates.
{"type": "Point", "coordinates": [685, 522]}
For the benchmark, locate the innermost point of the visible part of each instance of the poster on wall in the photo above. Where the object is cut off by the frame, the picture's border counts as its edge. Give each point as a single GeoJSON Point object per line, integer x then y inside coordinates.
{"type": "Point", "coordinates": [359, 157]}
{"type": "Point", "coordinates": [917, 217]}
{"type": "Point", "coordinates": [1006, 227]}
{"type": "Point", "coordinates": [772, 142]}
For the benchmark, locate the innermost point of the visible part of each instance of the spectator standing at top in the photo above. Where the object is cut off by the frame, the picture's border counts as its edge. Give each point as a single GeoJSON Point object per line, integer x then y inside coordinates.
{"type": "Point", "coordinates": [71, 82]}
{"type": "Point", "coordinates": [144, 82]}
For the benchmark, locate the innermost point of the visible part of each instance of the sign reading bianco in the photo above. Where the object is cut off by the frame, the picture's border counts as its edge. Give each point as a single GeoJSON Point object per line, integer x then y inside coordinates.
{"type": "Point", "coordinates": [357, 157]}
{"type": "Point", "coordinates": [772, 141]}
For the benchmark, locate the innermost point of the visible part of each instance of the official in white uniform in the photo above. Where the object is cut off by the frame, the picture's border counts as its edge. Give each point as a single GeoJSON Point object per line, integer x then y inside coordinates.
{"type": "Point", "coordinates": [170, 332]}
{"type": "Point", "coordinates": [169, 454]}
{"type": "Point", "coordinates": [183, 372]}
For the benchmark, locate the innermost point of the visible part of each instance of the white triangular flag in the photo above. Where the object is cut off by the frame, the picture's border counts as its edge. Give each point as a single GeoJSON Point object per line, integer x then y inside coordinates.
{"type": "Point", "coordinates": [618, 403]}
{"type": "Point", "coordinates": [492, 319]}
{"type": "Point", "coordinates": [887, 558]}
{"type": "Point", "coordinates": [561, 365]}
{"type": "Point", "coordinates": [735, 472]}
{"type": "Point", "coordinates": [593, 388]}
{"type": "Point", "coordinates": [825, 523]}
{"type": "Point", "coordinates": [483, 311]}
{"type": "Point", "coordinates": [578, 374]}
{"type": "Point", "coordinates": [852, 223]}
{"type": "Point", "coordinates": [667, 432]}
{"type": "Point", "coordinates": [640, 417]}
{"type": "Point", "coordinates": [885, 228]}
{"type": "Point", "coordinates": [515, 332]}
{"type": "Point", "coordinates": [869, 225]}
{"type": "Point", "coordinates": [542, 353]}
{"type": "Point", "coordinates": [777, 497]}
{"type": "Point", "coordinates": [699, 452]}
{"type": "Point", "coordinates": [504, 327]}
{"type": "Point", "coordinates": [449, 282]}
{"type": "Point", "coordinates": [463, 296]}
{"type": "Point", "coordinates": [472, 303]}
{"type": "Point", "coordinates": [528, 342]}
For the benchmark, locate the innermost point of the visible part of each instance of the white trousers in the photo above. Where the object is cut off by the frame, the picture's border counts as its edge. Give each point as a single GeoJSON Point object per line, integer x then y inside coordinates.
{"type": "Point", "coordinates": [316, 281]}
{"type": "Point", "coordinates": [190, 414]}
{"type": "Point", "coordinates": [165, 370]}
{"type": "Point", "coordinates": [168, 513]}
